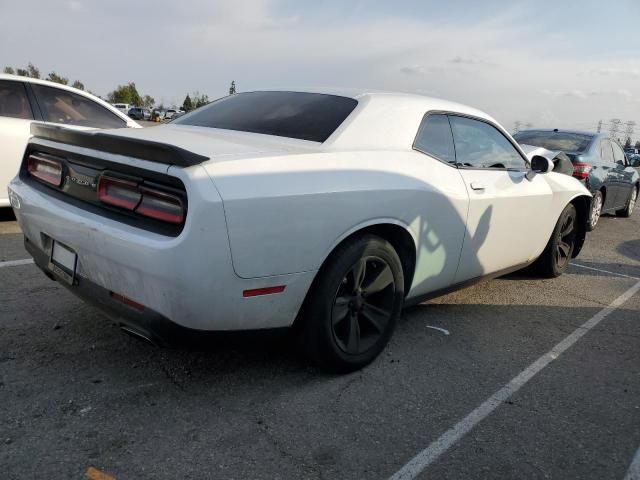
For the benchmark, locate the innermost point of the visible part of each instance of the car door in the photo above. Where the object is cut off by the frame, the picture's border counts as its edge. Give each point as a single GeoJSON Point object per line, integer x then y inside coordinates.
{"type": "Point", "coordinates": [16, 115]}
{"type": "Point", "coordinates": [606, 174]}
{"type": "Point", "coordinates": [624, 174]}
{"type": "Point", "coordinates": [509, 215]}
{"type": "Point", "coordinates": [62, 107]}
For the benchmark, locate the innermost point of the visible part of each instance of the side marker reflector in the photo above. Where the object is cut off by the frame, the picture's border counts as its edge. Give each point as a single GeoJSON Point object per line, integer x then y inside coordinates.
{"type": "Point", "coordinates": [254, 292]}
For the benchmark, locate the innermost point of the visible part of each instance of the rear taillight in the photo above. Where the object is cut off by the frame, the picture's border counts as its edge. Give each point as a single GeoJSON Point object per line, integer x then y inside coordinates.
{"type": "Point", "coordinates": [45, 169]}
{"type": "Point", "coordinates": [118, 192]}
{"type": "Point", "coordinates": [581, 170]}
{"type": "Point", "coordinates": [161, 206]}
{"type": "Point", "coordinates": [143, 200]}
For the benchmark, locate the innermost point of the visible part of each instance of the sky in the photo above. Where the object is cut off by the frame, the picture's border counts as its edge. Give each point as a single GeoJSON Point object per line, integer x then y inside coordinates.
{"type": "Point", "coordinates": [562, 63]}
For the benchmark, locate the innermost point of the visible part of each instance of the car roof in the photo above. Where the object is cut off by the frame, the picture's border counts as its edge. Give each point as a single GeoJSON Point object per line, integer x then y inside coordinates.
{"type": "Point", "coordinates": [563, 130]}
{"type": "Point", "coordinates": [39, 81]}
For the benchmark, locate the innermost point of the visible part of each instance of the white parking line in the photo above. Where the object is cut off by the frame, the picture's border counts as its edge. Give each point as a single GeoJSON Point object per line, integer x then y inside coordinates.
{"type": "Point", "coordinates": [634, 469]}
{"type": "Point", "coordinates": [605, 271]}
{"type": "Point", "coordinates": [430, 454]}
{"type": "Point", "coordinates": [15, 263]}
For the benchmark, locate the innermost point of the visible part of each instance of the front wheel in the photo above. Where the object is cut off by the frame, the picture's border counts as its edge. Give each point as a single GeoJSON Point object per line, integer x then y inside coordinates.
{"type": "Point", "coordinates": [631, 203]}
{"type": "Point", "coordinates": [559, 250]}
{"type": "Point", "coordinates": [352, 310]}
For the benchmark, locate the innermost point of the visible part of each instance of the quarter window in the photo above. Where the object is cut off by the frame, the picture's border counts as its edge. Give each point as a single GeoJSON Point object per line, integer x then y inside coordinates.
{"type": "Point", "coordinates": [480, 145]}
{"type": "Point", "coordinates": [13, 101]}
{"type": "Point", "coordinates": [435, 138]}
{"type": "Point", "coordinates": [605, 151]}
{"type": "Point", "coordinates": [62, 106]}
{"type": "Point", "coordinates": [618, 154]}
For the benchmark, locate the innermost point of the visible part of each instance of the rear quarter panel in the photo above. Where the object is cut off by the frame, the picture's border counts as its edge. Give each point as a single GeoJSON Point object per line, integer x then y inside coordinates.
{"type": "Point", "coordinates": [286, 214]}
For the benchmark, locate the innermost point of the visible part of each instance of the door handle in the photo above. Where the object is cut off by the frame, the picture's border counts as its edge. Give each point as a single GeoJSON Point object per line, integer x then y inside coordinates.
{"type": "Point", "coordinates": [477, 186]}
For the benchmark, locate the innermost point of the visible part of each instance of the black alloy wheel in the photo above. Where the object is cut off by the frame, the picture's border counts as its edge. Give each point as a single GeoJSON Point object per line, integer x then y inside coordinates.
{"type": "Point", "coordinates": [556, 256]}
{"type": "Point", "coordinates": [566, 239]}
{"type": "Point", "coordinates": [363, 305]}
{"type": "Point", "coordinates": [355, 301]}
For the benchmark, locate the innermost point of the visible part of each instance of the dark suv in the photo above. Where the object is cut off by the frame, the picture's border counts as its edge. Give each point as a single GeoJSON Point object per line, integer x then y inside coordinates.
{"type": "Point", "coordinates": [599, 162]}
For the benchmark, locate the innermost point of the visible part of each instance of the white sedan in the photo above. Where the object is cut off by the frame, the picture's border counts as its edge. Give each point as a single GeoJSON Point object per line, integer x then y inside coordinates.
{"type": "Point", "coordinates": [325, 211]}
{"type": "Point", "coordinates": [25, 100]}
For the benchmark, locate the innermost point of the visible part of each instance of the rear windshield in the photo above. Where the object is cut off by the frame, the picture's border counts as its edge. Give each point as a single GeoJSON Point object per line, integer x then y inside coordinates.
{"type": "Point", "coordinates": [305, 116]}
{"type": "Point", "coordinates": [567, 142]}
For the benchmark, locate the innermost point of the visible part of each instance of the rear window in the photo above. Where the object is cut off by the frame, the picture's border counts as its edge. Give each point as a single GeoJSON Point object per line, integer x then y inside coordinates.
{"type": "Point", "coordinates": [567, 142]}
{"type": "Point", "coordinates": [304, 116]}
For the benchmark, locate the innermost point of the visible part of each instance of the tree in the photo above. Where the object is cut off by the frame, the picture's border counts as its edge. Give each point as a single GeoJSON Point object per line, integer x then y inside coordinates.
{"type": "Point", "coordinates": [125, 94]}
{"type": "Point", "coordinates": [199, 100]}
{"type": "Point", "coordinates": [187, 106]}
{"type": "Point", "coordinates": [22, 72]}
{"type": "Point", "coordinates": [9, 70]}
{"type": "Point", "coordinates": [627, 144]}
{"type": "Point", "coordinates": [637, 145]}
{"type": "Point", "coordinates": [78, 84]}
{"type": "Point", "coordinates": [148, 101]}
{"type": "Point", "coordinates": [33, 71]}
{"type": "Point", "coordinates": [54, 77]}
{"type": "Point", "coordinates": [232, 88]}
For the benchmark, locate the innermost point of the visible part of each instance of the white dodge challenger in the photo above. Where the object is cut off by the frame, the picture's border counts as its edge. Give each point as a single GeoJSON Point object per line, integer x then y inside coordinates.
{"type": "Point", "coordinates": [323, 211]}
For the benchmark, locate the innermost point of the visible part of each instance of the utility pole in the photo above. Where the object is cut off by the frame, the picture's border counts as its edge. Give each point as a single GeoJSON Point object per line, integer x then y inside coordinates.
{"type": "Point", "coordinates": [628, 131]}
{"type": "Point", "coordinates": [614, 127]}
{"type": "Point", "coordinates": [599, 126]}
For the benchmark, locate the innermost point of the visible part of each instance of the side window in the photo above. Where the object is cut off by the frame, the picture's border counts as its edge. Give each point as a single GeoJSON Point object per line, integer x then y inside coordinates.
{"type": "Point", "coordinates": [606, 153]}
{"type": "Point", "coordinates": [62, 106]}
{"type": "Point", "coordinates": [435, 138]}
{"type": "Point", "coordinates": [13, 100]}
{"type": "Point", "coordinates": [481, 145]}
{"type": "Point", "coordinates": [618, 154]}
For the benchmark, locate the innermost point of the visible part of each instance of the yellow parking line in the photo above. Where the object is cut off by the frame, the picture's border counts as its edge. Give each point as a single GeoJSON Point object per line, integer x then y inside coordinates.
{"type": "Point", "coordinates": [95, 474]}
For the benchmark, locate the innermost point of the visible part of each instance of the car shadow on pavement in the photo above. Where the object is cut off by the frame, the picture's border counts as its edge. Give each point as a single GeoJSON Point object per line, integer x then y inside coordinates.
{"type": "Point", "coordinates": [630, 249]}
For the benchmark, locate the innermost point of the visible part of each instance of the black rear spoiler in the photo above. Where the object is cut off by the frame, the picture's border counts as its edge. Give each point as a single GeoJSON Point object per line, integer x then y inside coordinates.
{"type": "Point", "coordinates": [106, 142]}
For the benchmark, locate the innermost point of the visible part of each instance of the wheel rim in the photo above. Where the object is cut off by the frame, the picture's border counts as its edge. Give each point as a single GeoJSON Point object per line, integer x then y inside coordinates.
{"type": "Point", "coordinates": [632, 200]}
{"type": "Point", "coordinates": [596, 210]}
{"type": "Point", "coordinates": [363, 305]}
{"type": "Point", "coordinates": [565, 240]}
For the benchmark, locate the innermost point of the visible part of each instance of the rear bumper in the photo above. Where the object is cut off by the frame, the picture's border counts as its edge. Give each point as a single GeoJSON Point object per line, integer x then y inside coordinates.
{"type": "Point", "coordinates": [186, 281]}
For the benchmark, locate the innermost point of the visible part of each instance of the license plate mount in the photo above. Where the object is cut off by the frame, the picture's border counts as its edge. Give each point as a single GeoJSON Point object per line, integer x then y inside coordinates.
{"type": "Point", "coordinates": [63, 262]}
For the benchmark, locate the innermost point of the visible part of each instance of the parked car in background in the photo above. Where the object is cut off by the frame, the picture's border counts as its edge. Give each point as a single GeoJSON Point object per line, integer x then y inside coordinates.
{"type": "Point", "coordinates": [171, 113]}
{"type": "Point", "coordinates": [598, 162]}
{"type": "Point", "coordinates": [123, 107]}
{"type": "Point", "coordinates": [136, 113]}
{"type": "Point", "coordinates": [24, 100]}
{"type": "Point", "coordinates": [323, 211]}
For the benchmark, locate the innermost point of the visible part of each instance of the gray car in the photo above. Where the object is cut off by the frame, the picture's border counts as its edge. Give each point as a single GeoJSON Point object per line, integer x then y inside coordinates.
{"type": "Point", "coordinates": [599, 162]}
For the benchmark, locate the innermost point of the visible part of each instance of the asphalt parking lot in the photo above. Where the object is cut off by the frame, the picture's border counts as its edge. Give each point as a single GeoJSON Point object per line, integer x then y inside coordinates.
{"type": "Point", "coordinates": [78, 397]}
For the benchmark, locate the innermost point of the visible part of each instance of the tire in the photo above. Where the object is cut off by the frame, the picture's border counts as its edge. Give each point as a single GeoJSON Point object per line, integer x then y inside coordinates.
{"type": "Point", "coordinates": [596, 210]}
{"type": "Point", "coordinates": [559, 250]}
{"type": "Point", "coordinates": [631, 203]}
{"type": "Point", "coordinates": [347, 319]}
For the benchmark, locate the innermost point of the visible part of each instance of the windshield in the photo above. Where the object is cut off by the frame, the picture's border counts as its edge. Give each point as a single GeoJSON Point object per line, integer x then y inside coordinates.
{"type": "Point", "coordinates": [567, 142]}
{"type": "Point", "coordinates": [305, 116]}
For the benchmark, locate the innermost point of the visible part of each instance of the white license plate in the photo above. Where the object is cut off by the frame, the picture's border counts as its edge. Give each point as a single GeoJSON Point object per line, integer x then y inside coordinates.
{"type": "Point", "coordinates": [63, 261]}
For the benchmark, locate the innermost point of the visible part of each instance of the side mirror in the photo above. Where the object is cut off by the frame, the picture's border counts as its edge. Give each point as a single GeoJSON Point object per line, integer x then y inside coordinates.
{"type": "Point", "coordinates": [540, 164]}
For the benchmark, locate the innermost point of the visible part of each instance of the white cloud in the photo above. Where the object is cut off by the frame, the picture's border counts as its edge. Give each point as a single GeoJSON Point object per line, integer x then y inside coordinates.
{"type": "Point", "coordinates": [203, 45]}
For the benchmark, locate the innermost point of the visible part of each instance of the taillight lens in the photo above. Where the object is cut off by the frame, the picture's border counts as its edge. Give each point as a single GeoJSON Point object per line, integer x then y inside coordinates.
{"type": "Point", "coordinates": [143, 200]}
{"type": "Point", "coordinates": [45, 169]}
{"type": "Point", "coordinates": [118, 192]}
{"type": "Point", "coordinates": [161, 206]}
{"type": "Point", "coordinates": [581, 170]}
